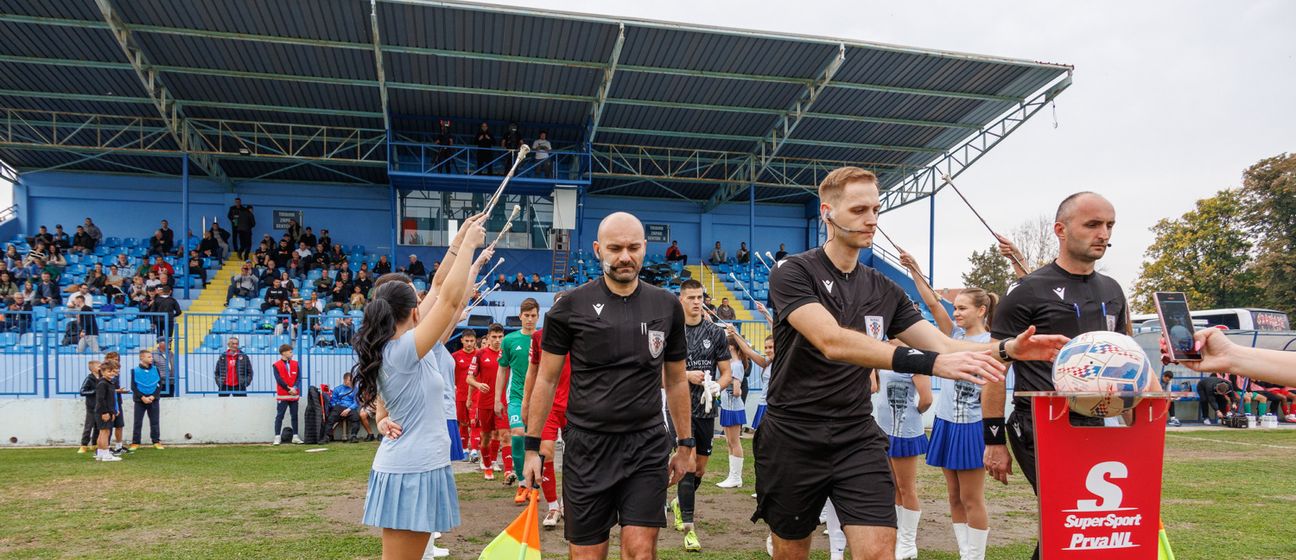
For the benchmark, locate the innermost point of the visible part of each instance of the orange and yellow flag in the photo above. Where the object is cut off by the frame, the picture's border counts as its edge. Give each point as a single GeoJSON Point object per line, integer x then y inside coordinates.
{"type": "Point", "coordinates": [521, 539]}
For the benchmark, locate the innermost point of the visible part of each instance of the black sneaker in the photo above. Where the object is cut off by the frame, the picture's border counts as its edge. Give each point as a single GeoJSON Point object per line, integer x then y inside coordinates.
{"type": "Point", "coordinates": [369, 437]}
{"type": "Point", "coordinates": [353, 439]}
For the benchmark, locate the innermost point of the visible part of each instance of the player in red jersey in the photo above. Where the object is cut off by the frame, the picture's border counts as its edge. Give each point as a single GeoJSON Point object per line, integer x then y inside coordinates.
{"type": "Point", "coordinates": [557, 420]}
{"type": "Point", "coordinates": [481, 376]}
{"type": "Point", "coordinates": [463, 362]}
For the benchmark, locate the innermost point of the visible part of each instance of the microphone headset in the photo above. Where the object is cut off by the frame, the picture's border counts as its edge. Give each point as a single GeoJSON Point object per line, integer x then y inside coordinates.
{"type": "Point", "coordinates": [828, 218]}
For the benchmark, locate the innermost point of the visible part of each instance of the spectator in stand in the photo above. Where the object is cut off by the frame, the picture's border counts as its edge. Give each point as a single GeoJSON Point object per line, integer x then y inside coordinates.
{"type": "Point", "coordinates": [47, 291]}
{"type": "Point", "coordinates": [781, 254]}
{"type": "Point", "coordinates": [308, 237]}
{"type": "Point", "coordinates": [310, 309]}
{"type": "Point", "coordinates": [725, 311]}
{"type": "Point", "coordinates": [87, 327]}
{"type": "Point", "coordinates": [12, 259]}
{"type": "Point", "coordinates": [138, 292]}
{"type": "Point", "coordinates": [718, 255]}
{"type": "Point", "coordinates": [342, 289]}
{"type": "Point", "coordinates": [383, 266]}
{"type": "Point", "coordinates": [44, 236]}
{"type": "Point", "coordinates": [242, 220]}
{"type": "Point", "coordinates": [93, 230]}
{"type": "Point", "coordinates": [519, 283]}
{"type": "Point", "coordinates": [673, 254]}
{"type": "Point", "coordinates": [344, 331]}
{"type": "Point", "coordinates": [538, 285]}
{"type": "Point", "coordinates": [8, 288]}
{"type": "Point", "coordinates": [160, 265]}
{"type": "Point", "coordinates": [357, 300]}
{"type": "Point", "coordinates": [324, 284]}
{"type": "Point", "coordinates": [326, 240]}
{"type": "Point", "coordinates": [1215, 392]}
{"type": "Point", "coordinates": [287, 392]}
{"type": "Point", "coordinates": [485, 141]}
{"type": "Point", "coordinates": [243, 285]}
{"type": "Point", "coordinates": [223, 239]}
{"type": "Point", "coordinates": [233, 370]}
{"type": "Point", "coordinates": [286, 282]}
{"type": "Point", "coordinates": [363, 281]}
{"type": "Point", "coordinates": [56, 263]}
{"type": "Point", "coordinates": [743, 255]}
{"type": "Point", "coordinates": [208, 246]}
{"type": "Point", "coordinates": [286, 321]}
{"type": "Point", "coordinates": [415, 268]}
{"type": "Point", "coordinates": [167, 233]}
{"type": "Point", "coordinates": [196, 267]}
{"type": "Point", "coordinates": [706, 301]}
{"type": "Point", "coordinates": [541, 148]}
{"type": "Point", "coordinates": [275, 295]}
{"type": "Point", "coordinates": [96, 280]}
{"type": "Point", "coordinates": [146, 388]}
{"type": "Point", "coordinates": [19, 322]}
{"type": "Point", "coordinates": [122, 262]}
{"type": "Point", "coordinates": [282, 253]}
{"type": "Point", "coordinates": [61, 239]}
{"type": "Point", "coordinates": [342, 406]}
{"type": "Point", "coordinates": [169, 309]}
{"type": "Point", "coordinates": [319, 259]}
{"type": "Point", "coordinates": [303, 251]}
{"type": "Point", "coordinates": [28, 292]}
{"type": "Point", "coordinates": [164, 360]}
{"type": "Point", "coordinates": [74, 290]}
{"type": "Point", "coordinates": [158, 245]}
{"type": "Point", "coordinates": [82, 242]}
{"type": "Point", "coordinates": [294, 232]}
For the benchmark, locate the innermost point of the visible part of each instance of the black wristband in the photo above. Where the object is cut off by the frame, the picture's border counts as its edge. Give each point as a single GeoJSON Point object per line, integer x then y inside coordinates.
{"type": "Point", "coordinates": [913, 360]}
{"type": "Point", "coordinates": [993, 431]}
{"type": "Point", "coordinates": [1003, 351]}
{"type": "Point", "coordinates": [531, 444]}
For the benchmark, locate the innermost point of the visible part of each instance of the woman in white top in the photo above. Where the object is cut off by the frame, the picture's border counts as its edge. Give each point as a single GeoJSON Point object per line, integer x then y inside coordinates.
{"type": "Point", "coordinates": [411, 490]}
{"type": "Point", "coordinates": [733, 414]}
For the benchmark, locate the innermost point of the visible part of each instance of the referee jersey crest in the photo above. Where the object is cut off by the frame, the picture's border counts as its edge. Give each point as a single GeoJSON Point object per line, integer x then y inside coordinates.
{"type": "Point", "coordinates": [656, 343]}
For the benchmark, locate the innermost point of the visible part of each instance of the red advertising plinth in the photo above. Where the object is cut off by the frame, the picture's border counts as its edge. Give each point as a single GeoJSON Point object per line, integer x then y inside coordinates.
{"type": "Point", "coordinates": [1099, 487]}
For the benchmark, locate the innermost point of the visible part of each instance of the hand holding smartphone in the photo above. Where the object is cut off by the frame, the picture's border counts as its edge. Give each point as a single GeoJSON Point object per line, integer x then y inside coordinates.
{"type": "Point", "coordinates": [1176, 325]}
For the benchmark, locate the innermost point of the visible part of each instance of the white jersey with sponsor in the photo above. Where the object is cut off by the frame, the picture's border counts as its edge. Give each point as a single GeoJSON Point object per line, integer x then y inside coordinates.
{"type": "Point", "coordinates": [897, 413]}
{"type": "Point", "coordinates": [960, 401]}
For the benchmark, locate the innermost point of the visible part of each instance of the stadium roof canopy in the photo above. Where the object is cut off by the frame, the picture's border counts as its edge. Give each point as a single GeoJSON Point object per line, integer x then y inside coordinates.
{"type": "Point", "coordinates": [310, 91]}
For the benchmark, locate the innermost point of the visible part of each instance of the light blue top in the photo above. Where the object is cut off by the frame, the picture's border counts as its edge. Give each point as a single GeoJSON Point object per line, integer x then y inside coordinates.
{"type": "Point", "coordinates": [727, 400]}
{"type": "Point", "coordinates": [445, 363]}
{"type": "Point", "coordinates": [960, 401]}
{"type": "Point", "coordinates": [413, 390]}
{"type": "Point", "coordinates": [764, 377]}
{"type": "Point", "coordinates": [897, 413]}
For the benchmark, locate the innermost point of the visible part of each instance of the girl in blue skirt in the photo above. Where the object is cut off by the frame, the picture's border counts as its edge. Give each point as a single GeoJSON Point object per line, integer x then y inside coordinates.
{"type": "Point", "coordinates": [766, 363]}
{"type": "Point", "coordinates": [957, 444]}
{"type": "Point", "coordinates": [733, 414]}
{"type": "Point", "coordinates": [411, 490]}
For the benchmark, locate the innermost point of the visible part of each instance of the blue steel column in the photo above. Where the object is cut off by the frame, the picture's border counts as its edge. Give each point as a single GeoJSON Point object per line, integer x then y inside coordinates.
{"type": "Point", "coordinates": [751, 243]}
{"type": "Point", "coordinates": [184, 222]}
{"type": "Point", "coordinates": [931, 243]}
{"type": "Point", "coordinates": [395, 224]}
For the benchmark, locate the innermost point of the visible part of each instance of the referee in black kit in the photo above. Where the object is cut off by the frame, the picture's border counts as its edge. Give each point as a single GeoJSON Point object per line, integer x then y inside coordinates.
{"type": "Point", "coordinates": [819, 438]}
{"type": "Point", "coordinates": [619, 332]}
{"type": "Point", "coordinates": [1065, 297]}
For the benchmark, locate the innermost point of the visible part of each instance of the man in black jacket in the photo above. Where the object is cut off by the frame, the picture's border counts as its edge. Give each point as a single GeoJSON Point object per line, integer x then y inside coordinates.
{"type": "Point", "coordinates": [88, 391]}
{"type": "Point", "coordinates": [233, 371]}
{"type": "Point", "coordinates": [485, 141]}
{"type": "Point", "coordinates": [242, 220]}
{"type": "Point", "coordinates": [170, 308]}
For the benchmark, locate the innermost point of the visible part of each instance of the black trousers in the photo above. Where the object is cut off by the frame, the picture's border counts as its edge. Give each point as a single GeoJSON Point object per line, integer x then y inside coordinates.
{"type": "Point", "coordinates": [243, 243]}
{"type": "Point", "coordinates": [239, 390]}
{"type": "Point", "coordinates": [1207, 399]}
{"type": "Point", "coordinates": [88, 432]}
{"type": "Point", "coordinates": [335, 416]}
{"type": "Point", "coordinates": [153, 412]}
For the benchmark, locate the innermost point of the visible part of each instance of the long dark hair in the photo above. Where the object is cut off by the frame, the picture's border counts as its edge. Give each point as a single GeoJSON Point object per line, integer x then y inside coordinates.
{"type": "Point", "coordinates": [392, 303]}
{"type": "Point", "coordinates": [746, 362]}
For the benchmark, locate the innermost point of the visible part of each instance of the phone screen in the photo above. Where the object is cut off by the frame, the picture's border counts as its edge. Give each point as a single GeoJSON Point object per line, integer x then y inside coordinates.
{"type": "Point", "coordinates": [1176, 325]}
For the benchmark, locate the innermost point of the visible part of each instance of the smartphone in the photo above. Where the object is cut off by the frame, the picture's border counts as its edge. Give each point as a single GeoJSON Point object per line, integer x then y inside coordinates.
{"type": "Point", "coordinates": [1176, 325]}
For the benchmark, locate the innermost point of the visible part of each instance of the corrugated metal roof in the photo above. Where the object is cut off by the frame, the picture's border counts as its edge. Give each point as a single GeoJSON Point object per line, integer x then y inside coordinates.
{"type": "Point", "coordinates": [706, 88]}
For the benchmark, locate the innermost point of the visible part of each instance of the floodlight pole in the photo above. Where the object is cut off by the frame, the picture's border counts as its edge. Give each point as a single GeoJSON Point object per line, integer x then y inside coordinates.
{"type": "Point", "coordinates": [184, 224]}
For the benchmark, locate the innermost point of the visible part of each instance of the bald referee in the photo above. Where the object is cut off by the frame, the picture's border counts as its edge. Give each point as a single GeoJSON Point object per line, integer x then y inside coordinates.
{"type": "Point", "coordinates": [819, 439]}
{"type": "Point", "coordinates": [617, 463]}
{"type": "Point", "coordinates": [1065, 297]}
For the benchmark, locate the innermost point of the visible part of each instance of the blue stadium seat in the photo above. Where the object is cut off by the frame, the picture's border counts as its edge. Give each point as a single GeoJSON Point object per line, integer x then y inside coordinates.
{"type": "Point", "coordinates": [8, 339]}
{"type": "Point", "coordinates": [140, 326]}
{"type": "Point", "coordinates": [129, 341]}
{"type": "Point", "coordinates": [237, 303]}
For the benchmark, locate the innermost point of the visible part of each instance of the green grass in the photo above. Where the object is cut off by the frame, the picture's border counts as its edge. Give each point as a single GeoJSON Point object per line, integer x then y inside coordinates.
{"type": "Point", "coordinates": [1232, 498]}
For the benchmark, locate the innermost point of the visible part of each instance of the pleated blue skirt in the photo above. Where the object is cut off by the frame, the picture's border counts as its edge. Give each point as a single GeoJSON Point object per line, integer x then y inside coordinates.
{"type": "Point", "coordinates": [907, 447]}
{"type": "Point", "coordinates": [456, 445]}
{"type": "Point", "coordinates": [424, 502]}
{"type": "Point", "coordinates": [957, 446]}
{"type": "Point", "coordinates": [732, 417]}
{"type": "Point", "coordinates": [756, 418]}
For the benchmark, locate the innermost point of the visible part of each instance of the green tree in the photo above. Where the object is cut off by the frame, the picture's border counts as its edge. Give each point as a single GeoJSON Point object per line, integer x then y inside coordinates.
{"type": "Point", "coordinates": [1206, 253]}
{"type": "Point", "coordinates": [1269, 197]}
{"type": "Point", "coordinates": [990, 271]}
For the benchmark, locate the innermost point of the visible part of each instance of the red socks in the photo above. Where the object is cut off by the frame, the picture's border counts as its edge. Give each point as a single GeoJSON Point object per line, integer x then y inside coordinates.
{"type": "Point", "coordinates": [508, 458]}
{"type": "Point", "coordinates": [550, 483]}
{"type": "Point", "coordinates": [488, 456]}
{"type": "Point", "coordinates": [474, 441]}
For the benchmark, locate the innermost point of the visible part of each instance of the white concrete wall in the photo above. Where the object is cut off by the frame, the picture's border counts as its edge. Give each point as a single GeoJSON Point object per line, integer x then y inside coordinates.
{"type": "Point", "coordinates": [26, 422]}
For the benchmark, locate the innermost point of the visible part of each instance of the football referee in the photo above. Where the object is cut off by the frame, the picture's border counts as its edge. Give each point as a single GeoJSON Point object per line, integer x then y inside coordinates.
{"type": "Point", "coordinates": [617, 464]}
{"type": "Point", "coordinates": [819, 438]}
{"type": "Point", "coordinates": [1065, 297]}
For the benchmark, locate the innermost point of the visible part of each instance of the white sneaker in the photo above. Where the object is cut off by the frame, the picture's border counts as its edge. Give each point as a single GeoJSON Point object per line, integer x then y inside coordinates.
{"type": "Point", "coordinates": [276, 441]}
{"type": "Point", "coordinates": [551, 518]}
{"type": "Point", "coordinates": [1290, 418]}
{"type": "Point", "coordinates": [297, 440]}
{"type": "Point", "coordinates": [769, 545]}
{"type": "Point", "coordinates": [110, 458]}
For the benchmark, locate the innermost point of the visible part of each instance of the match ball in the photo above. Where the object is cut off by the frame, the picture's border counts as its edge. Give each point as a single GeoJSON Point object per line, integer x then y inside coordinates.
{"type": "Point", "coordinates": [1102, 362]}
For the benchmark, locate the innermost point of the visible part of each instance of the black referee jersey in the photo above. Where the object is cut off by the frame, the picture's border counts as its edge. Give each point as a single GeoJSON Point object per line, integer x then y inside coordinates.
{"type": "Point", "coordinates": [804, 384]}
{"type": "Point", "coordinates": [1056, 302]}
{"type": "Point", "coordinates": [618, 345]}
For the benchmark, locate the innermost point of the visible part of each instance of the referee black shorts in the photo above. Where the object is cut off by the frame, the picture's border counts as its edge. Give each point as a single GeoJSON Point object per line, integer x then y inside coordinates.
{"type": "Point", "coordinates": [613, 478]}
{"type": "Point", "coordinates": [800, 464]}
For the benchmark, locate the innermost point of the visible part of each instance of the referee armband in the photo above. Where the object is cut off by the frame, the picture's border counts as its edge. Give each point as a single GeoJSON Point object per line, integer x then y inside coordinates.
{"type": "Point", "coordinates": [993, 431]}
{"type": "Point", "coordinates": [913, 360]}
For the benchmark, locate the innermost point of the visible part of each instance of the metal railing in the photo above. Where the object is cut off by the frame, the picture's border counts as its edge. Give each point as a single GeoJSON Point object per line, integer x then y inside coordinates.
{"type": "Point", "coordinates": [45, 352]}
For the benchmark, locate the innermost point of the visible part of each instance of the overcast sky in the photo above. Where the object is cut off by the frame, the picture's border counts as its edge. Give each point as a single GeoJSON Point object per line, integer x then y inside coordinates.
{"type": "Point", "coordinates": [1171, 101]}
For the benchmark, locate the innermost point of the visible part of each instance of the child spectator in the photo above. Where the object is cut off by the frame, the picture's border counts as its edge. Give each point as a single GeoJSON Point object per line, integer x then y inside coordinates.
{"type": "Point", "coordinates": [343, 406]}
{"type": "Point", "coordinates": [146, 387]}
{"type": "Point", "coordinates": [88, 391]}
{"type": "Point", "coordinates": [357, 301]}
{"type": "Point", "coordinates": [107, 410]}
{"type": "Point", "coordinates": [118, 423]}
{"type": "Point", "coordinates": [287, 391]}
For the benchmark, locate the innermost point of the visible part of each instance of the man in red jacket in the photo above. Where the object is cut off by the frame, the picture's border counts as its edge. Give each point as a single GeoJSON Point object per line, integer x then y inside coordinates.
{"type": "Point", "coordinates": [287, 391]}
